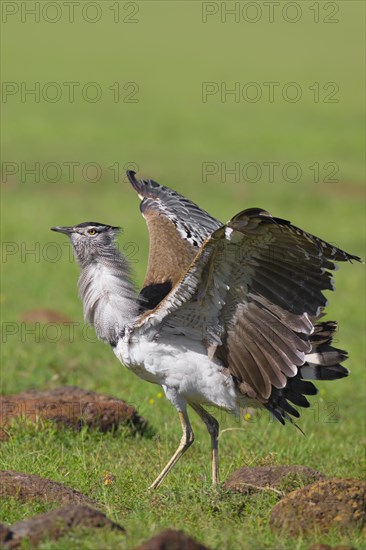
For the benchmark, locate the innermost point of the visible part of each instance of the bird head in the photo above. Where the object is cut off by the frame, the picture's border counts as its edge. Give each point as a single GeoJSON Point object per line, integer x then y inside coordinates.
{"type": "Point", "coordinates": [90, 239]}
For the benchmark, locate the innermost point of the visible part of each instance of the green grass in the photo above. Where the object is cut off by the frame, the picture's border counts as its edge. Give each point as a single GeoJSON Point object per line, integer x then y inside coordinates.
{"type": "Point", "coordinates": [169, 134]}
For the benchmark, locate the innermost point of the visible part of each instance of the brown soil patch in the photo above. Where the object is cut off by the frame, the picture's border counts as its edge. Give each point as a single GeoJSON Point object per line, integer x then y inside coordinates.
{"type": "Point", "coordinates": [351, 190]}
{"type": "Point", "coordinates": [333, 503]}
{"type": "Point", "coordinates": [69, 406]}
{"type": "Point", "coordinates": [5, 534]}
{"type": "Point", "coordinates": [44, 316]}
{"type": "Point", "coordinates": [27, 487]}
{"type": "Point", "coordinates": [278, 479]}
{"type": "Point", "coordinates": [170, 539]}
{"type": "Point", "coordinates": [55, 524]}
{"type": "Point", "coordinates": [327, 547]}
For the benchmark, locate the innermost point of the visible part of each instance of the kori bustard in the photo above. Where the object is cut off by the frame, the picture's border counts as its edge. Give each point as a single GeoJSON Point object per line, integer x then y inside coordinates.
{"type": "Point", "coordinates": [229, 313]}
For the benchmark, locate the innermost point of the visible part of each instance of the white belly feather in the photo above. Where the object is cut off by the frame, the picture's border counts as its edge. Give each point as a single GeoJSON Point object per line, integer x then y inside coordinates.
{"type": "Point", "coordinates": [169, 362]}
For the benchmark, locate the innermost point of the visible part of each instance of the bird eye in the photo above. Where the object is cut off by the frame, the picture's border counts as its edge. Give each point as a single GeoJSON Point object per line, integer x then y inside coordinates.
{"type": "Point", "coordinates": [91, 231]}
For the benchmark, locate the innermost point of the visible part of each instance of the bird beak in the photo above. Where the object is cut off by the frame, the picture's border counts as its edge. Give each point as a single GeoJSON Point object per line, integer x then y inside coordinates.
{"type": "Point", "coordinates": [66, 230]}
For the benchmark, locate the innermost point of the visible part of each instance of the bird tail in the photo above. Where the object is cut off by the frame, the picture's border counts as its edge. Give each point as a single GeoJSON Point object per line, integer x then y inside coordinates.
{"type": "Point", "coordinates": [322, 363]}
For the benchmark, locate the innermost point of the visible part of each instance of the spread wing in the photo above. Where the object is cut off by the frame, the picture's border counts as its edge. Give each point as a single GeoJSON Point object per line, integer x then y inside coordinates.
{"type": "Point", "coordinates": [253, 295]}
{"type": "Point", "coordinates": [177, 229]}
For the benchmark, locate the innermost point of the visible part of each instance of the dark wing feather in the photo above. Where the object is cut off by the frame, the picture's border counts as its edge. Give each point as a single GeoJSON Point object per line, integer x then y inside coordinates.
{"type": "Point", "coordinates": [192, 222]}
{"type": "Point", "coordinates": [254, 293]}
{"type": "Point", "coordinates": [177, 229]}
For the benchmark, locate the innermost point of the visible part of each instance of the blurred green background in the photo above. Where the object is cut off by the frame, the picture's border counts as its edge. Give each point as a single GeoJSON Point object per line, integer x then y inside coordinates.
{"type": "Point", "coordinates": [162, 55]}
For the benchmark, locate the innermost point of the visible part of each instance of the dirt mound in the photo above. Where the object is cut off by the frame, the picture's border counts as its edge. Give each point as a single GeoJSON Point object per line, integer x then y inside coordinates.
{"type": "Point", "coordinates": [69, 406]}
{"type": "Point", "coordinates": [54, 524]}
{"type": "Point", "coordinates": [278, 479]}
{"type": "Point", "coordinates": [333, 503]}
{"type": "Point", "coordinates": [27, 487]}
{"type": "Point", "coordinates": [170, 539]}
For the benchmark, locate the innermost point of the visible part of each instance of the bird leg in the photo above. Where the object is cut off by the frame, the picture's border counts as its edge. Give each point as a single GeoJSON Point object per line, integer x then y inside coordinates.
{"type": "Point", "coordinates": [213, 429]}
{"type": "Point", "coordinates": [185, 442]}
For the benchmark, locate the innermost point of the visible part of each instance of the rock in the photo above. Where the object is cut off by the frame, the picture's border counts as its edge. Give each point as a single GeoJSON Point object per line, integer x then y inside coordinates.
{"type": "Point", "coordinates": [332, 503]}
{"type": "Point", "coordinates": [57, 523]}
{"type": "Point", "coordinates": [27, 487]}
{"type": "Point", "coordinates": [170, 539]}
{"type": "Point", "coordinates": [44, 316]}
{"type": "Point", "coordinates": [278, 479]}
{"type": "Point", "coordinates": [69, 406]}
